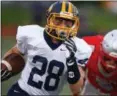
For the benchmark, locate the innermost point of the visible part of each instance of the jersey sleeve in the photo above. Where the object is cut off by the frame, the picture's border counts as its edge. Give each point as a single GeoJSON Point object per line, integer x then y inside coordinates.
{"type": "Point", "coordinates": [21, 39]}
{"type": "Point", "coordinates": [83, 53]}
{"type": "Point", "coordinates": [27, 35]}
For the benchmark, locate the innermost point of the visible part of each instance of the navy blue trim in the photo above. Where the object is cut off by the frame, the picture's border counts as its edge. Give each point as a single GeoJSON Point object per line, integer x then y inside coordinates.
{"type": "Point", "coordinates": [48, 40]}
{"type": "Point", "coordinates": [83, 61]}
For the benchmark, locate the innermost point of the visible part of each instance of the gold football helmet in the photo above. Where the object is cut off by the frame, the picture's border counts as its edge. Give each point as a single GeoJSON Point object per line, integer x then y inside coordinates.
{"type": "Point", "coordinates": [65, 10]}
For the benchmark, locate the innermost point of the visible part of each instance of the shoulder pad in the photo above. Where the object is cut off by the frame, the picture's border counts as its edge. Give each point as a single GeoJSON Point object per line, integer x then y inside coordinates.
{"type": "Point", "coordinates": [28, 31]}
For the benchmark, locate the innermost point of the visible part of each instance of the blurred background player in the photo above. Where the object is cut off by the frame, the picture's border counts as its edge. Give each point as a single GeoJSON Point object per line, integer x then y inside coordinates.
{"type": "Point", "coordinates": [47, 55]}
{"type": "Point", "coordinates": [101, 70]}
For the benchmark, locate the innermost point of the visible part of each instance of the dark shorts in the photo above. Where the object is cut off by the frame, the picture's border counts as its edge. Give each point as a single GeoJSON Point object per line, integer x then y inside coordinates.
{"type": "Point", "coordinates": [15, 90]}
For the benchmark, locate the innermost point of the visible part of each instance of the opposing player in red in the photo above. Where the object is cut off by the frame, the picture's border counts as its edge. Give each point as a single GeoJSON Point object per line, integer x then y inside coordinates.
{"type": "Point", "coordinates": [101, 69]}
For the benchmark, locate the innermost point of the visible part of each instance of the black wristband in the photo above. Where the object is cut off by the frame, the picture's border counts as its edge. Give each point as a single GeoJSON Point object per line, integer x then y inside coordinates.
{"type": "Point", "coordinates": [73, 72]}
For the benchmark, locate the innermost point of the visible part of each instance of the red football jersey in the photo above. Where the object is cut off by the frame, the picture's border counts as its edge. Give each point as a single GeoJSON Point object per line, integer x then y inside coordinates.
{"type": "Point", "coordinates": [104, 82]}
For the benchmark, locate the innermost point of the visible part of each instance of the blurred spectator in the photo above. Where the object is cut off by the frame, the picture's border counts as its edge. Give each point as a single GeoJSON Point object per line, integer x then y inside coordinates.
{"type": "Point", "coordinates": [111, 6]}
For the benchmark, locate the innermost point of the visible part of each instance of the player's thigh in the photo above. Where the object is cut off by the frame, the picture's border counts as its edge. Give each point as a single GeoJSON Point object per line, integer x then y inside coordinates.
{"type": "Point", "coordinates": [15, 90]}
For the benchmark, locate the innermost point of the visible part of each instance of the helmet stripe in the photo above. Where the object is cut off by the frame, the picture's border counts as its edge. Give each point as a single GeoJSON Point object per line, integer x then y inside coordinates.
{"type": "Point", "coordinates": [50, 8]}
{"type": "Point", "coordinates": [70, 8]}
{"type": "Point", "coordinates": [63, 6]}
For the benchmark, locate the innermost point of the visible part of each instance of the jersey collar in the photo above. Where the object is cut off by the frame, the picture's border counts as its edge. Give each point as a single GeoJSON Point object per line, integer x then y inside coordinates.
{"type": "Point", "coordinates": [48, 40]}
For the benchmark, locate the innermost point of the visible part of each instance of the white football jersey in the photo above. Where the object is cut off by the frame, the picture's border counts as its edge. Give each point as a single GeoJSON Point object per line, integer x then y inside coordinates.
{"type": "Point", "coordinates": [45, 71]}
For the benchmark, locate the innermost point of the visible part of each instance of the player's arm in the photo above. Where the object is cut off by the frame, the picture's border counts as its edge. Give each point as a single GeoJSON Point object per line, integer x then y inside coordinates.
{"type": "Point", "coordinates": [77, 87]}
{"type": "Point", "coordinates": [82, 69]}
{"type": "Point", "coordinates": [73, 73]}
{"type": "Point", "coordinates": [12, 63]}
{"type": "Point", "coordinates": [82, 59]}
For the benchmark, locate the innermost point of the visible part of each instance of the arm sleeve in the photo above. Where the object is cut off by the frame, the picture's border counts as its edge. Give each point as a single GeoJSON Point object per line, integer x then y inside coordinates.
{"type": "Point", "coordinates": [82, 58]}
{"type": "Point", "coordinates": [83, 53]}
{"type": "Point", "coordinates": [21, 40]}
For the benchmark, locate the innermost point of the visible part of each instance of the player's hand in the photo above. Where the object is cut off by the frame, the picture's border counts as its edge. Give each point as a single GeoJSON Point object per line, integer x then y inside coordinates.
{"type": "Point", "coordinates": [5, 73]}
{"type": "Point", "coordinates": [70, 45]}
{"type": "Point", "coordinates": [73, 72]}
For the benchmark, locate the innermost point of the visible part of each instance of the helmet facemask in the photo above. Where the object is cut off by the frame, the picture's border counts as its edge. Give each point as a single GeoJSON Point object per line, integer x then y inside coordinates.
{"type": "Point", "coordinates": [62, 32]}
{"type": "Point", "coordinates": [109, 63]}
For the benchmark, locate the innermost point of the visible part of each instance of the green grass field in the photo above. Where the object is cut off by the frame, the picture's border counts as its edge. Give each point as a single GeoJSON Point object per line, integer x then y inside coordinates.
{"type": "Point", "coordinates": [7, 43]}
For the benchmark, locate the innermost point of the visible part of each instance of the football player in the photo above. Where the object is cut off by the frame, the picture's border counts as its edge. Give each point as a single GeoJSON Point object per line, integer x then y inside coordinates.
{"type": "Point", "coordinates": [101, 69]}
{"type": "Point", "coordinates": [47, 56]}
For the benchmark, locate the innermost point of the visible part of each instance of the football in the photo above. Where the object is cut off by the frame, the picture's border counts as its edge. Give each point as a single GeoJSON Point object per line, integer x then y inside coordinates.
{"type": "Point", "coordinates": [17, 63]}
